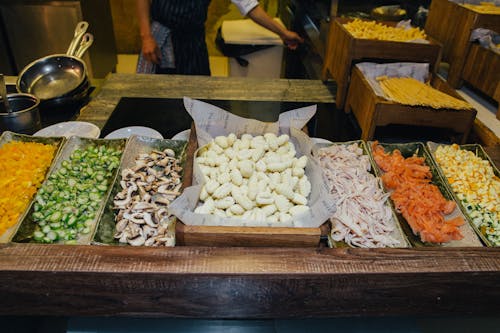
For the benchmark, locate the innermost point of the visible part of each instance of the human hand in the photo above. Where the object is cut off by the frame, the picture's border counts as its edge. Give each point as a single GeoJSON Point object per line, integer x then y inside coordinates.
{"type": "Point", "coordinates": [150, 50]}
{"type": "Point", "coordinates": [291, 39]}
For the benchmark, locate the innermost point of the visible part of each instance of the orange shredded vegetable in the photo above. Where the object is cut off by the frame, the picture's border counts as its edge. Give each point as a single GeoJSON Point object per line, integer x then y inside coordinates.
{"type": "Point", "coordinates": [22, 170]}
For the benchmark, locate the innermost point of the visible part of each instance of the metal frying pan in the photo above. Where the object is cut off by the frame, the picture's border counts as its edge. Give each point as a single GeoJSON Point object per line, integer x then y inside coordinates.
{"type": "Point", "coordinates": [58, 74]}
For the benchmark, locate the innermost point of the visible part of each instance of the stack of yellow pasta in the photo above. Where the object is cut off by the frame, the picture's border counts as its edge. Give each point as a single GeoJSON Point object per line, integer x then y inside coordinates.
{"type": "Point", "coordinates": [409, 91]}
{"type": "Point", "coordinates": [373, 30]}
{"type": "Point", "coordinates": [484, 8]}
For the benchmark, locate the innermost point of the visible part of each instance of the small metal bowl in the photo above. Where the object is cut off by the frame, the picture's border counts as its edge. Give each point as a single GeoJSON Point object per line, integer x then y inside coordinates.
{"type": "Point", "coordinates": [388, 13]}
{"type": "Point", "coordinates": [25, 115]}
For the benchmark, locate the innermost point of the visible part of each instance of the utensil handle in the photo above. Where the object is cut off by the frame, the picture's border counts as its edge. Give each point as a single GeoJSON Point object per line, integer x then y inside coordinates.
{"type": "Point", "coordinates": [86, 42]}
{"type": "Point", "coordinates": [3, 94]}
{"type": "Point", "coordinates": [80, 30]}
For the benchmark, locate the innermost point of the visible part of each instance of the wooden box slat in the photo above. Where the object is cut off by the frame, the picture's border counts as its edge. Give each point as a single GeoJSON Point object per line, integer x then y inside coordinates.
{"type": "Point", "coordinates": [190, 235]}
{"type": "Point", "coordinates": [482, 71]}
{"type": "Point", "coordinates": [496, 97]}
{"type": "Point", "coordinates": [343, 51]}
{"type": "Point", "coordinates": [455, 34]}
{"type": "Point", "coordinates": [372, 111]}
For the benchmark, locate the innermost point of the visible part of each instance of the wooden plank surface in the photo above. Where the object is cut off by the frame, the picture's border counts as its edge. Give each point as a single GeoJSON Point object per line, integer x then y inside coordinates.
{"type": "Point", "coordinates": [178, 86]}
{"type": "Point", "coordinates": [243, 282]}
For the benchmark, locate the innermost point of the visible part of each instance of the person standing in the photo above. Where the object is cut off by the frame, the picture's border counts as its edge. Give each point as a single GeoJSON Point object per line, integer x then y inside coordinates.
{"type": "Point", "coordinates": [173, 34]}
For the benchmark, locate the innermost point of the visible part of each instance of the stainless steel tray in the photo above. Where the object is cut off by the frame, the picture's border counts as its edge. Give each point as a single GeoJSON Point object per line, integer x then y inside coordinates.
{"type": "Point", "coordinates": [135, 146]}
{"type": "Point", "coordinates": [9, 137]}
{"type": "Point", "coordinates": [479, 152]}
{"type": "Point", "coordinates": [398, 233]}
{"type": "Point", "coordinates": [25, 231]}
{"type": "Point", "coordinates": [418, 148]}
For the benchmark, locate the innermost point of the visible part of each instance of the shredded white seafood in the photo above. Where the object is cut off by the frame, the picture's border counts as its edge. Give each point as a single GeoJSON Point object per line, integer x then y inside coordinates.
{"type": "Point", "coordinates": [362, 219]}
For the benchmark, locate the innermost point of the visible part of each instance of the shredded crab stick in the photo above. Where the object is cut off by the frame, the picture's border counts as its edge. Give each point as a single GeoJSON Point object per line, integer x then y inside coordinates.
{"type": "Point", "coordinates": [363, 218]}
{"type": "Point", "coordinates": [22, 169]}
{"type": "Point", "coordinates": [420, 202]}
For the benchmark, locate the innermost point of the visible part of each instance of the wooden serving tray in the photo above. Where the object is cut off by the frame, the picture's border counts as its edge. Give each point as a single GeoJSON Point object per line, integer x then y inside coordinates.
{"type": "Point", "coordinates": [455, 34]}
{"type": "Point", "coordinates": [190, 235]}
{"type": "Point", "coordinates": [343, 51]}
{"type": "Point", "coordinates": [372, 111]}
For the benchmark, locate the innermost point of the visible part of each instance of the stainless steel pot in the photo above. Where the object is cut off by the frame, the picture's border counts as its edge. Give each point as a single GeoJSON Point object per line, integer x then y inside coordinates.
{"type": "Point", "coordinates": [25, 115]}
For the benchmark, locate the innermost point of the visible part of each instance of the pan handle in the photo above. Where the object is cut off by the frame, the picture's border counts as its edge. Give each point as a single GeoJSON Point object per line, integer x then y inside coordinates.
{"type": "Point", "coordinates": [80, 30]}
{"type": "Point", "coordinates": [86, 42]}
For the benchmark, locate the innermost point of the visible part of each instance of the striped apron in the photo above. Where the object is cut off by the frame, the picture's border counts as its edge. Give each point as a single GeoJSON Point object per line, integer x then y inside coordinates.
{"type": "Point", "coordinates": [186, 20]}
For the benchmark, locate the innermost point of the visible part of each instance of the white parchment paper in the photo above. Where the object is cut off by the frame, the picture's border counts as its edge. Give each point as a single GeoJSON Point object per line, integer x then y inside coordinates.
{"type": "Point", "coordinates": [406, 24]}
{"type": "Point", "coordinates": [486, 38]}
{"type": "Point", "coordinates": [211, 121]}
{"type": "Point", "coordinates": [371, 71]}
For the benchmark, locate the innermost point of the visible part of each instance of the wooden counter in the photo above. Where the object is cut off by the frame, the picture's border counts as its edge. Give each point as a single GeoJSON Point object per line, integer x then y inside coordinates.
{"type": "Point", "coordinates": [241, 282]}
{"type": "Point", "coordinates": [178, 86]}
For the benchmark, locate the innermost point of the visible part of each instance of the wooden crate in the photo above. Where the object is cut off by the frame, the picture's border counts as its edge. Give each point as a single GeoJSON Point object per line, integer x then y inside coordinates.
{"type": "Point", "coordinates": [482, 71]}
{"type": "Point", "coordinates": [372, 111]}
{"type": "Point", "coordinates": [496, 97]}
{"type": "Point", "coordinates": [189, 235]}
{"type": "Point", "coordinates": [343, 51]}
{"type": "Point", "coordinates": [455, 33]}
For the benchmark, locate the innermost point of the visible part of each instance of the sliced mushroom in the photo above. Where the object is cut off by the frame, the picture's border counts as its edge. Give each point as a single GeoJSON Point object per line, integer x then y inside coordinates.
{"type": "Point", "coordinates": [149, 220]}
{"type": "Point", "coordinates": [143, 206]}
{"type": "Point", "coordinates": [161, 199]}
{"type": "Point", "coordinates": [150, 242]}
{"type": "Point", "coordinates": [169, 152]}
{"type": "Point", "coordinates": [149, 231]}
{"type": "Point", "coordinates": [137, 218]}
{"type": "Point", "coordinates": [121, 225]}
{"type": "Point", "coordinates": [122, 237]}
{"type": "Point", "coordinates": [137, 241]}
{"type": "Point", "coordinates": [148, 189]}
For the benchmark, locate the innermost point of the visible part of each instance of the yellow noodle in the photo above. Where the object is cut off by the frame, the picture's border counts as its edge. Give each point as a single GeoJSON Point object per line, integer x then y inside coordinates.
{"type": "Point", "coordinates": [379, 31]}
{"type": "Point", "coordinates": [409, 91]}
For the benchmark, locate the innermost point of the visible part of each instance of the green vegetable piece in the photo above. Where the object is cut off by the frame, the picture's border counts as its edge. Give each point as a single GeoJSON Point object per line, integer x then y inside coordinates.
{"type": "Point", "coordinates": [82, 200]}
{"type": "Point", "coordinates": [55, 225]}
{"type": "Point", "coordinates": [72, 220]}
{"type": "Point", "coordinates": [38, 235]}
{"type": "Point", "coordinates": [52, 236]}
{"type": "Point", "coordinates": [102, 188]}
{"type": "Point", "coordinates": [55, 217]}
{"type": "Point", "coordinates": [37, 215]}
